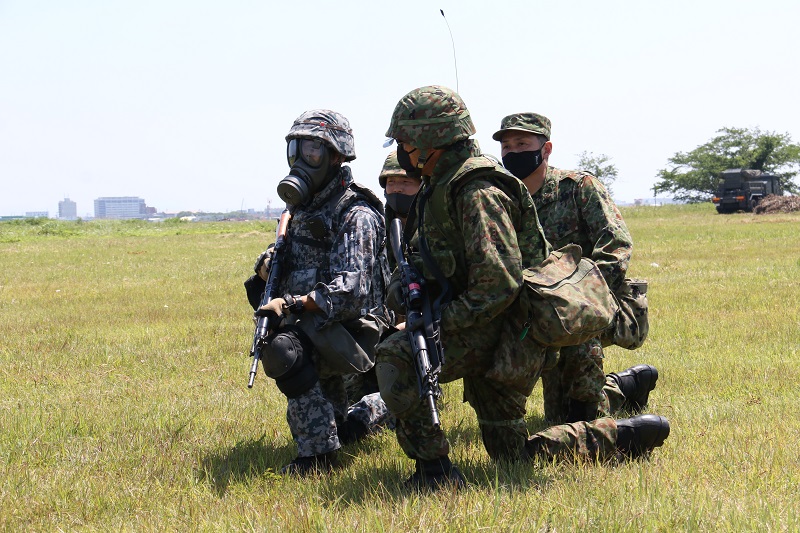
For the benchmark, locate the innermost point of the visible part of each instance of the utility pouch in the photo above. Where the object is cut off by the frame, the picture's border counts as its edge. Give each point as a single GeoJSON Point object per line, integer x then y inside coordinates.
{"type": "Point", "coordinates": [567, 299]}
{"type": "Point", "coordinates": [631, 325]}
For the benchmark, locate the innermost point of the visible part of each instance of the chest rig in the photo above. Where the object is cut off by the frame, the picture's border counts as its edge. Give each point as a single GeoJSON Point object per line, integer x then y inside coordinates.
{"type": "Point", "coordinates": [313, 234]}
{"type": "Point", "coordinates": [444, 234]}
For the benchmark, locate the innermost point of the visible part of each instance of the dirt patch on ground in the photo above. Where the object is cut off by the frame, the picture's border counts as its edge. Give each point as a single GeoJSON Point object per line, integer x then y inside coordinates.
{"type": "Point", "coordinates": [777, 204]}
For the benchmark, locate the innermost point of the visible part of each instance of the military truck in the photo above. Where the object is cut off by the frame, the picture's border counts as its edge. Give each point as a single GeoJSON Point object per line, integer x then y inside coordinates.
{"type": "Point", "coordinates": [741, 189]}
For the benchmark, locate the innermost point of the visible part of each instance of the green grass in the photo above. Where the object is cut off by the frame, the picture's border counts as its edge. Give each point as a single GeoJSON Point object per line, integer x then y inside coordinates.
{"type": "Point", "coordinates": [124, 406]}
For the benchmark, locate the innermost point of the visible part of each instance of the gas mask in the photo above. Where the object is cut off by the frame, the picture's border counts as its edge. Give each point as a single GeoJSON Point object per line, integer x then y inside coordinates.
{"type": "Point", "coordinates": [310, 162]}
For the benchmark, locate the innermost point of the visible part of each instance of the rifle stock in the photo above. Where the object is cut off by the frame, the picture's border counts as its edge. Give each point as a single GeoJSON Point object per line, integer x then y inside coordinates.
{"type": "Point", "coordinates": [264, 323]}
{"type": "Point", "coordinates": [421, 327]}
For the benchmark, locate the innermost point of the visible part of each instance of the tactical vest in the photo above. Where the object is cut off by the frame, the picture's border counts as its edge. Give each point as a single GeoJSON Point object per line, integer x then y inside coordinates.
{"type": "Point", "coordinates": [312, 233]}
{"type": "Point", "coordinates": [440, 210]}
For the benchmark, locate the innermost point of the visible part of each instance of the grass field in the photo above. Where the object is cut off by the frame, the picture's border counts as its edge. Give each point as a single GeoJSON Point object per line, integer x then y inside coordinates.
{"type": "Point", "coordinates": [124, 406]}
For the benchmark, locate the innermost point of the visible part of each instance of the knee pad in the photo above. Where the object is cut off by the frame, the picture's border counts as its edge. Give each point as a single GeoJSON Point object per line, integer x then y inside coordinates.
{"type": "Point", "coordinates": [287, 359]}
{"type": "Point", "coordinates": [398, 401]}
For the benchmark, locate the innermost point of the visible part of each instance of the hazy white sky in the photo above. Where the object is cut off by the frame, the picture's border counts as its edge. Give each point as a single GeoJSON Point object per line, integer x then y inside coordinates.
{"type": "Point", "coordinates": [186, 103]}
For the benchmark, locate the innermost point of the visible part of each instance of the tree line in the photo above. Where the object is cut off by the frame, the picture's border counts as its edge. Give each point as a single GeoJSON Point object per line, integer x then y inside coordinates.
{"type": "Point", "coordinates": [693, 176]}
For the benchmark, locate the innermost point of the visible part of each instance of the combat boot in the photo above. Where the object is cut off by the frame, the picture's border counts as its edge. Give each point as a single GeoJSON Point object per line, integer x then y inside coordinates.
{"type": "Point", "coordinates": [351, 430]}
{"type": "Point", "coordinates": [636, 384]}
{"type": "Point", "coordinates": [316, 464]}
{"type": "Point", "coordinates": [581, 411]}
{"type": "Point", "coordinates": [640, 434]}
{"type": "Point", "coordinates": [436, 474]}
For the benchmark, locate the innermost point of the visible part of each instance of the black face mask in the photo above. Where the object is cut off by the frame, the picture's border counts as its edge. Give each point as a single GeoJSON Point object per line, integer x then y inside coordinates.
{"type": "Point", "coordinates": [405, 162]}
{"type": "Point", "coordinates": [522, 164]}
{"type": "Point", "coordinates": [400, 203]}
{"type": "Point", "coordinates": [311, 169]}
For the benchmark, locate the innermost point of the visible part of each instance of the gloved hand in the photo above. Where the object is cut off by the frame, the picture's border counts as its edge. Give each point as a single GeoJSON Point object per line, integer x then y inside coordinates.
{"type": "Point", "coordinates": [275, 307]}
{"type": "Point", "coordinates": [262, 263]}
{"type": "Point", "coordinates": [394, 294]}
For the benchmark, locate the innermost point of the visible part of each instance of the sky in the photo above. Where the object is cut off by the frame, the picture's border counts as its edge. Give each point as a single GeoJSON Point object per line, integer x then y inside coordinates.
{"type": "Point", "coordinates": [187, 103]}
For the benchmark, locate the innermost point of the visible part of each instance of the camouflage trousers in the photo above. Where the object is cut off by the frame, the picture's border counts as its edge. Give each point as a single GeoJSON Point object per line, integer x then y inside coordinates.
{"type": "Point", "coordinates": [472, 355]}
{"type": "Point", "coordinates": [312, 417]}
{"type": "Point", "coordinates": [587, 441]}
{"type": "Point", "coordinates": [579, 375]}
{"type": "Point", "coordinates": [371, 411]}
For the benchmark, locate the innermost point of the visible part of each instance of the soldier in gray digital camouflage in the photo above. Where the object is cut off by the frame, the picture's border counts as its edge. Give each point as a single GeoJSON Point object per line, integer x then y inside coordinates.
{"type": "Point", "coordinates": [370, 414]}
{"type": "Point", "coordinates": [475, 228]}
{"type": "Point", "coordinates": [334, 275]}
{"type": "Point", "coordinates": [575, 207]}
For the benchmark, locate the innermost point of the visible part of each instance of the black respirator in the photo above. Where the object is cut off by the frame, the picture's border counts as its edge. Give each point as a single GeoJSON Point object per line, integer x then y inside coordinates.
{"type": "Point", "coordinates": [310, 162]}
{"type": "Point", "coordinates": [400, 203]}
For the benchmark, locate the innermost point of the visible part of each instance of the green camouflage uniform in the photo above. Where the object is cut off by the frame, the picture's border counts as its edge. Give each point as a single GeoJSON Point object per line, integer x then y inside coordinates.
{"type": "Point", "coordinates": [575, 207]}
{"type": "Point", "coordinates": [480, 326]}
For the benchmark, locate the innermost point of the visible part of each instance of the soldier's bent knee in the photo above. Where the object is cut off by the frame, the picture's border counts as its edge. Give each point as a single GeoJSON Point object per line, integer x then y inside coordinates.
{"type": "Point", "coordinates": [397, 400]}
{"type": "Point", "coordinates": [287, 360]}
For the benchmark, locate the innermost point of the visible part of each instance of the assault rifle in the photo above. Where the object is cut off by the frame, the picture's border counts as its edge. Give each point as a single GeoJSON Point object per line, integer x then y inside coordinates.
{"type": "Point", "coordinates": [266, 323]}
{"type": "Point", "coordinates": [422, 329]}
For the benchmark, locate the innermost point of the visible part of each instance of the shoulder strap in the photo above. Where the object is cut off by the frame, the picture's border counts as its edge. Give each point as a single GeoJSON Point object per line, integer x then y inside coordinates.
{"type": "Point", "coordinates": [473, 168]}
{"type": "Point", "coordinates": [353, 193]}
{"type": "Point", "coordinates": [367, 194]}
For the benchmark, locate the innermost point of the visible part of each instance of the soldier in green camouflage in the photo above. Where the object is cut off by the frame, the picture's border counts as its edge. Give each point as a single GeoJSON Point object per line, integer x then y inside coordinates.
{"type": "Point", "coordinates": [575, 207]}
{"type": "Point", "coordinates": [398, 187]}
{"type": "Point", "coordinates": [476, 227]}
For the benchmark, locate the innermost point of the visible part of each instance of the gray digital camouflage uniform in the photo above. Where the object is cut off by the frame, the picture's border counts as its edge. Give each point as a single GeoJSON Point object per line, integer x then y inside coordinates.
{"type": "Point", "coordinates": [344, 270]}
{"type": "Point", "coordinates": [575, 207]}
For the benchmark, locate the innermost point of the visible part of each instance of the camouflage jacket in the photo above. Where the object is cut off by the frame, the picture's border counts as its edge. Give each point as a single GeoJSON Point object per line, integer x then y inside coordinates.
{"type": "Point", "coordinates": [336, 252]}
{"type": "Point", "coordinates": [487, 213]}
{"type": "Point", "coordinates": [574, 207]}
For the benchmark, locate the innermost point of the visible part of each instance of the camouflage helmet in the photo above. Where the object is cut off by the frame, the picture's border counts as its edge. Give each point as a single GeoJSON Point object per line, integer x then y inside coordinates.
{"type": "Point", "coordinates": [431, 117]}
{"type": "Point", "coordinates": [390, 168]}
{"type": "Point", "coordinates": [329, 126]}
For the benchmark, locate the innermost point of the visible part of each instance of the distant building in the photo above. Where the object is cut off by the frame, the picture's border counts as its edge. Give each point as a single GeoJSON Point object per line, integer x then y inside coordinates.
{"type": "Point", "coordinates": [657, 201]}
{"type": "Point", "coordinates": [120, 207]}
{"type": "Point", "coordinates": [67, 209]}
{"type": "Point", "coordinates": [37, 214]}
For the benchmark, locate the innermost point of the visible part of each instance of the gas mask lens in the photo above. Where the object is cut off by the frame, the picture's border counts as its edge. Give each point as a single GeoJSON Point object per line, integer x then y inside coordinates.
{"type": "Point", "coordinates": [311, 151]}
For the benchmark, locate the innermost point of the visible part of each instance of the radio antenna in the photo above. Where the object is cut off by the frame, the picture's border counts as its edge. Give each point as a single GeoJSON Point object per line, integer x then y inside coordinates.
{"type": "Point", "coordinates": [455, 61]}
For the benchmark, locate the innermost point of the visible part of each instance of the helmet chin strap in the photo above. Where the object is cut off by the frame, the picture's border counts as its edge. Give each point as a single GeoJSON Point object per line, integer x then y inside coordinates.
{"type": "Point", "coordinates": [423, 158]}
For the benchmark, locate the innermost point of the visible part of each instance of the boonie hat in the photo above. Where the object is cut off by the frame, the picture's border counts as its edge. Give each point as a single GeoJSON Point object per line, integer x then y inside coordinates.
{"type": "Point", "coordinates": [529, 122]}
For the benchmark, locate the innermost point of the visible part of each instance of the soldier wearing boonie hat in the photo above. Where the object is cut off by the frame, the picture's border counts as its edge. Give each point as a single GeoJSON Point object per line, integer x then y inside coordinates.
{"type": "Point", "coordinates": [525, 122]}
{"type": "Point", "coordinates": [575, 207]}
{"type": "Point", "coordinates": [474, 229]}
